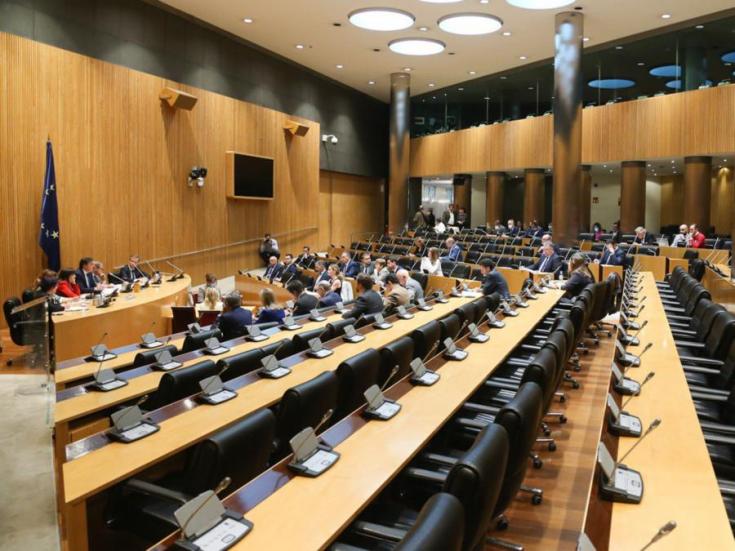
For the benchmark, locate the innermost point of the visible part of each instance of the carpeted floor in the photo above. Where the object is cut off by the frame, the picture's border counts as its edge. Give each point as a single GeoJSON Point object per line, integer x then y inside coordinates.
{"type": "Point", "coordinates": [27, 505]}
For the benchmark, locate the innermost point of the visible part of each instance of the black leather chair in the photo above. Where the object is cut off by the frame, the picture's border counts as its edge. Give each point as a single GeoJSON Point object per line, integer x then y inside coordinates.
{"type": "Point", "coordinates": [337, 328]}
{"type": "Point", "coordinates": [24, 330]}
{"type": "Point", "coordinates": [240, 451]}
{"type": "Point", "coordinates": [301, 341]}
{"type": "Point", "coordinates": [147, 357]}
{"type": "Point", "coordinates": [421, 277]}
{"type": "Point", "coordinates": [302, 406]}
{"type": "Point", "coordinates": [28, 295]}
{"type": "Point", "coordinates": [178, 384]}
{"type": "Point", "coordinates": [355, 376]}
{"type": "Point", "coordinates": [449, 327]}
{"type": "Point", "coordinates": [240, 364]}
{"type": "Point", "coordinates": [196, 342]}
{"type": "Point", "coordinates": [398, 353]}
{"type": "Point", "coordinates": [467, 313]}
{"type": "Point", "coordinates": [425, 338]}
{"type": "Point", "coordinates": [282, 349]}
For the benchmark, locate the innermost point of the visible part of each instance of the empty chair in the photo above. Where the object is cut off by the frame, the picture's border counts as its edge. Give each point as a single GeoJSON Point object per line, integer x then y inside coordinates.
{"type": "Point", "coordinates": [355, 376]}
{"type": "Point", "coordinates": [240, 451]}
{"type": "Point", "coordinates": [182, 317]}
{"type": "Point", "coordinates": [240, 364]}
{"type": "Point", "coordinates": [301, 340]}
{"type": "Point", "coordinates": [425, 338]}
{"type": "Point", "coordinates": [196, 341]}
{"type": "Point", "coordinates": [467, 312]}
{"type": "Point", "coordinates": [449, 327]}
{"type": "Point", "coordinates": [398, 353]}
{"type": "Point", "coordinates": [282, 349]}
{"type": "Point", "coordinates": [147, 357]}
{"type": "Point", "coordinates": [178, 384]}
{"type": "Point", "coordinates": [337, 328]}
{"type": "Point", "coordinates": [302, 406]}
{"type": "Point", "coordinates": [421, 277]}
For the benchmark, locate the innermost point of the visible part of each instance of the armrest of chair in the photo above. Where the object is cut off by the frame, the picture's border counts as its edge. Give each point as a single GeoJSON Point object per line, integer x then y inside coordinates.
{"type": "Point", "coordinates": [688, 361]}
{"type": "Point", "coordinates": [148, 488]}
{"type": "Point", "coordinates": [690, 344]}
{"type": "Point", "coordinates": [379, 531]}
{"type": "Point", "coordinates": [494, 383]}
{"type": "Point", "coordinates": [674, 310]}
{"type": "Point", "coordinates": [687, 319]}
{"type": "Point", "coordinates": [530, 347]}
{"type": "Point", "coordinates": [707, 397]}
{"type": "Point", "coordinates": [439, 458]}
{"type": "Point", "coordinates": [702, 370]}
{"type": "Point", "coordinates": [712, 438]}
{"type": "Point", "coordinates": [684, 333]}
{"type": "Point", "coordinates": [426, 475]}
{"type": "Point", "coordinates": [717, 428]}
{"type": "Point", "coordinates": [678, 325]}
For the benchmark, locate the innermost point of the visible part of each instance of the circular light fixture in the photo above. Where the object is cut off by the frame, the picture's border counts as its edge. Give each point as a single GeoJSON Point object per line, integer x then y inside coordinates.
{"type": "Point", "coordinates": [371, 82]}
{"type": "Point", "coordinates": [586, 39]}
{"type": "Point", "coordinates": [523, 58]}
{"type": "Point", "coordinates": [507, 33]}
{"type": "Point", "coordinates": [728, 57]}
{"type": "Point", "coordinates": [611, 83]}
{"type": "Point", "coordinates": [618, 47]}
{"type": "Point", "coordinates": [665, 16]}
{"type": "Point", "coordinates": [668, 71]}
{"type": "Point", "coordinates": [674, 84]}
{"type": "Point", "coordinates": [416, 46]}
{"type": "Point", "coordinates": [471, 72]}
{"type": "Point", "coordinates": [408, 69]}
{"type": "Point", "coordinates": [340, 66]}
{"type": "Point", "coordinates": [470, 24]}
{"type": "Point", "coordinates": [431, 85]}
{"type": "Point", "coordinates": [423, 29]}
{"type": "Point", "coordinates": [640, 64]}
{"type": "Point", "coordinates": [299, 46]}
{"type": "Point", "coordinates": [699, 27]}
{"type": "Point", "coordinates": [247, 20]}
{"type": "Point", "coordinates": [539, 4]}
{"type": "Point", "coordinates": [381, 19]}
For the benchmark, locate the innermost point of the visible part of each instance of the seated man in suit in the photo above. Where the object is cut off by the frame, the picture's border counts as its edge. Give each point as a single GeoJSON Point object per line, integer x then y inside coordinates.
{"type": "Point", "coordinates": [546, 238]}
{"type": "Point", "coordinates": [303, 302]}
{"type": "Point", "coordinates": [682, 238]}
{"type": "Point", "coordinates": [234, 317]}
{"type": "Point", "coordinates": [130, 272]}
{"type": "Point", "coordinates": [455, 251]}
{"type": "Point", "coordinates": [415, 291]}
{"type": "Point", "coordinates": [321, 273]}
{"type": "Point", "coordinates": [391, 267]}
{"type": "Point", "coordinates": [395, 294]}
{"type": "Point", "coordinates": [549, 262]}
{"type": "Point", "coordinates": [327, 294]}
{"type": "Point", "coordinates": [85, 276]}
{"type": "Point", "coordinates": [642, 237]}
{"type": "Point", "coordinates": [305, 256]}
{"type": "Point", "coordinates": [613, 255]}
{"type": "Point", "coordinates": [289, 268]}
{"type": "Point", "coordinates": [366, 264]}
{"type": "Point", "coordinates": [274, 270]}
{"type": "Point", "coordinates": [369, 302]}
{"type": "Point", "coordinates": [492, 280]}
{"type": "Point", "coordinates": [512, 229]}
{"type": "Point", "coordinates": [347, 266]}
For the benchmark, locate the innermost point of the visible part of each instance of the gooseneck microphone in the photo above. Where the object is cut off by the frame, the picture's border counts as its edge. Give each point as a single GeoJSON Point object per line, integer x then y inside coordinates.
{"type": "Point", "coordinates": [665, 530]}
{"type": "Point", "coordinates": [390, 376]}
{"type": "Point", "coordinates": [640, 387]}
{"type": "Point", "coordinates": [220, 487]}
{"type": "Point", "coordinates": [654, 424]}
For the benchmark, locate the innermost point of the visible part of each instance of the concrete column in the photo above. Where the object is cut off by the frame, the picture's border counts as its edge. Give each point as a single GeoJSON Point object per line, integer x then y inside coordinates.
{"type": "Point", "coordinates": [633, 195]}
{"type": "Point", "coordinates": [399, 150]}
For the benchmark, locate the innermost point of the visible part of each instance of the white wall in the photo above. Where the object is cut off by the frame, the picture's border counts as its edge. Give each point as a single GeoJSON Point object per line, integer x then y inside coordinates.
{"type": "Point", "coordinates": [605, 207]}
{"type": "Point", "coordinates": [653, 206]}
{"type": "Point", "coordinates": [478, 211]}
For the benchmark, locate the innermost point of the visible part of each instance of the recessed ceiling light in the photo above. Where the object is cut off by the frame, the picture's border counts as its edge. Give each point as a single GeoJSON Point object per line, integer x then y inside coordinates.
{"type": "Point", "coordinates": [460, 89]}
{"type": "Point", "coordinates": [507, 33]}
{"type": "Point", "coordinates": [523, 58]}
{"type": "Point", "coordinates": [640, 64]}
{"type": "Point", "coordinates": [471, 72]}
{"type": "Point", "coordinates": [371, 82]}
{"type": "Point", "coordinates": [423, 29]}
{"type": "Point", "coordinates": [431, 85]}
{"type": "Point", "coordinates": [441, 1]}
{"type": "Point", "coordinates": [611, 83]}
{"type": "Point", "coordinates": [586, 39]}
{"type": "Point", "coordinates": [484, 1]}
{"type": "Point", "coordinates": [416, 46]}
{"type": "Point", "coordinates": [700, 27]}
{"type": "Point", "coordinates": [340, 66]}
{"type": "Point", "coordinates": [486, 98]}
{"type": "Point", "coordinates": [665, 16]}
{"type": "Point", "coordinates": [618, 47]}
{"type": "Point", "coordinates": [407, 69]}
{"type": "Point", "coordinates": [247, 20]}
{"type": "Point", "coordinates": [299, 46]}
{"type": "Point", "coordinates": [604, 166]}
{"type": "Point", "coordinates": [503, 77]}
{"type": "Point", "coordinates": [471, 24]}
{"type": "Point", "coordinates": [539, 4]}
{"type": "Point", "coordinates": [381, 19]}
{"type": "Point", "coordinates": [530, 87]}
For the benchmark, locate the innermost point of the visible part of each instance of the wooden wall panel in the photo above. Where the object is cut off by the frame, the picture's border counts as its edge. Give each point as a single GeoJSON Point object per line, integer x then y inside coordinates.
{"type": "Point", "coordinates": [348, 205]}
{"type": "Point", "coordinates": [723, 200]}
{"type": "Point", "coordinates": [675, 125]}
{"type": "Point", "coordinates": [121, 165]}
{"type": "Point", "coordinates": [672, 200]}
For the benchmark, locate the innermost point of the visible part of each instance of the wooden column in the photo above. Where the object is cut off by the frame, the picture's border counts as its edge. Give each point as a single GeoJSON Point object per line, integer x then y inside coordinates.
{"type": "Point", "coordinates": [495, 188]}
{"type": "Point", "coordinates": [697, 191]}
{"type": "Point", "coordinates": [585, 198]}
{"type": "Point", "coordinates": [462, 193]}
{"type": "Point", "coordinates": [534, 194]}
{"type": "Point", "coordinates": [632, 195]}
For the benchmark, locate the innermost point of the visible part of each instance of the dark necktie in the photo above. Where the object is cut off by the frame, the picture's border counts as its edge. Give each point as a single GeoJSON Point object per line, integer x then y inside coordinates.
{"type": "Point", "coordinates": [543, 264]}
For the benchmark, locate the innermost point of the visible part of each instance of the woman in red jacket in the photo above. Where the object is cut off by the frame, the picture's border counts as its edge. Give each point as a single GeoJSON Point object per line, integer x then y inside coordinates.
{"type": "Point", "coordinates": [68, 284]}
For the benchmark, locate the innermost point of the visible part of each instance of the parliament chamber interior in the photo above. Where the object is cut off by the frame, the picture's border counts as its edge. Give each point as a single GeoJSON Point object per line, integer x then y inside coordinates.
{"type": "Point", "coordinates": [423, 275]}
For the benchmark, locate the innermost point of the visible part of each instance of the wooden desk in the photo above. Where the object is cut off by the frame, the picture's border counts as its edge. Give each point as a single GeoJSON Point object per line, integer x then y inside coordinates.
{"type": "Point", "coordinates": [713, 255]}
{"type": "Point", "coordinates": [100, 469]}
{"type": "Point", "coordinates": [125, 320]}
{"type": "Point", "coordinates": [677, 262]}
{"type": "Point", "coordinates": [606, 270]}
{"type": "Point", "coordinates": [679, 482]}
{"type": "Point", "coordinates": [721, 288]}
{"type": "Point", "coordinates": [250, 288]}
{"type": "Point", "coordinates": [377, 451]}
{"type": "Point", "coordinates": [654, 264]}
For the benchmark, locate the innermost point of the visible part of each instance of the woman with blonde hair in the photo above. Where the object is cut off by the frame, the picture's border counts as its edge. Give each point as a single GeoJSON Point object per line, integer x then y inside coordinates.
{"type": "Point", "coordinates": [579, 276]}
{"type": "Point", "coordinates": [431, 264]}
{"type": "Point", "coordinates": [212, 300]}
{"type": "Point", "coordinates": [269, 311]}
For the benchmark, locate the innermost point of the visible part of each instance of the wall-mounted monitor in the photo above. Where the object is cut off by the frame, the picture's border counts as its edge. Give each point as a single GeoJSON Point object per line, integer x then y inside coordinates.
{"type": "Point", "coordinates": [250, 176]}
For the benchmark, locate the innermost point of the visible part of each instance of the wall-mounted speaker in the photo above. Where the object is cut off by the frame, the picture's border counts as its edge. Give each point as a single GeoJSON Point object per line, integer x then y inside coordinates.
{"type": "Point", "coordinates": [178, 99]}
{"type": "Point", "coordinates": [295, 128]}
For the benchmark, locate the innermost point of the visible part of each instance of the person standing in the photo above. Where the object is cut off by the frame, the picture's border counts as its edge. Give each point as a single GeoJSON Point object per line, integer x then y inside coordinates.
{"type": "Point", "coordinates": [268, 248]}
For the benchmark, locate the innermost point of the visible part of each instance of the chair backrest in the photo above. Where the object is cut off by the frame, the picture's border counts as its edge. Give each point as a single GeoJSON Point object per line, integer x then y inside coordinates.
{"type": "Point", "coordinates": [240, 364]}
{"type": "Point", "coordinates": [183, 316]}
{"type": "Point", "coordinates": [338, 327]}
{"type": "Point", "coordinates": [421, 277]}
{"type": "Point", "coordinates": [282, 349]}
{"type": "Point", "coordinates": [16, 328]}
{"type": "Point", "coordinates": [147, 357]}
{"type": "Point", "coordinates": [438, 527]}
{"type": "Point", "coordinates": [240, 451]}
{"type": "Point", "coordinates": [28, 295]}
{"type": "Point", "coordinates": [466, 313]}
{"type": "Point", "coordinates": [544, 370]}
{"type": "Point", "coordinates": [449, 327]}
{"type": "Point", "coordinates": [521, 418]}
{"type": "Point", "coordinates": [301, 341]}
{"type": "Point", "coordinates": [178, 384]}
{"type": "Point", "coordinates": [425, 337]}
{"type": "Point", "coordinates": [476, 480]}
{"type": "Point", "coordinates": [355, 376]}
{"type": "Point", "coordinates": [398, 353]}
{"type": "Point", "coordinates": [196, 341]}
{"type": "Point", "coordinates": [208, 317]}
{"type": "Point", "coordinates": [304, 406]}
{"type": "Point", "coordinates": [721, 335]}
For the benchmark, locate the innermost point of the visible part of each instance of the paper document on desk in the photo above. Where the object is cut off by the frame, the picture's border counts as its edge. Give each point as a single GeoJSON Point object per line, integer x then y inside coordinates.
{"type": "Point", "coordinates": [611, 319]}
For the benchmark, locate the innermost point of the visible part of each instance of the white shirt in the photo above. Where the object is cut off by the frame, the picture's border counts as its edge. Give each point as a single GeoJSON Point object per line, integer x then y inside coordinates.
{"type": "Point", "coordinates": [346, 291]}
{"type": "Point", "coordinates": [450, 222]}
{"type": "Point", "coordinates": [430, 268]}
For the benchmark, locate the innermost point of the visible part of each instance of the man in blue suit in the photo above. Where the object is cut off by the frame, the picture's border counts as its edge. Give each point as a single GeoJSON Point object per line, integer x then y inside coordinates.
{"type": "Point", "coordinates": [234, 317]}
{"type": "Point", "coordinates": [130, 272]}
{"type": "Point", "coordinates": [321, 273]}
{"type": "Point", "coordinates": [613, 255]}
{"type": "Point", "coordinates": [290, 269]}
{"type": "Point", "coordinates": [455, 251]}
{"type": "Point", "coordinates": [347, 266]}
{"type": "Point", "coordinates": [274, 269]}
{"type": "Point", "coordinates": [548, 262]}
{"type": "Point", "coordinates": [492, 280]}
{"type": "Point", "coordinates": [85, 276]}
{"type": "Point", "coordinates": [327, 295]}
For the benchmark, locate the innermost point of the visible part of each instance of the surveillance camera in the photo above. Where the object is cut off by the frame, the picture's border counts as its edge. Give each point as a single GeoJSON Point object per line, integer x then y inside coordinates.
{"type": "Point", "coordinates": [329, 138]}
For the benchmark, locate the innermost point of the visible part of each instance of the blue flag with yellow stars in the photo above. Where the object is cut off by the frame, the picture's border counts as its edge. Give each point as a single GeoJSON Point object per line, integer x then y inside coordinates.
{"type": "Point", "coordinates": [48, 238]}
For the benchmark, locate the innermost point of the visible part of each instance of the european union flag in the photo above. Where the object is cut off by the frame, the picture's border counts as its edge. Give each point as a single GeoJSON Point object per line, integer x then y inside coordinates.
{"type": "Point", "coordinates": [48, 238]}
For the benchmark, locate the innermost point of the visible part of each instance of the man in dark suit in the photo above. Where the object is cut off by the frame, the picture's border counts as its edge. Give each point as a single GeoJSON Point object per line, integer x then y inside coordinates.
{"type": "Point", "coordinates": [613, 255]}
{"type": "Point", "coordinates": [327, 295]}
{"type": "Point", "coordinates": [130, 272]}
{"type": "Point", "coordinates": [321, 273]}
{"type": "Point", "coordinates": [303, 302]}
{"type": "Point", "coordinates": [642, 237]}
{"type": "Point", "coordinates": [548, 262]}
{"type": "Point", "coordinates": [347, 266]}
{"type": "Point", "coordinates": [492, 280]}
{"type": "Point", "coordinates": [366, 264]}
{"type": "Point", "coordinates": [369, 302]}
{"type": "Point", "coordinates": [85, 276]}
{"type": "Point", "coordinates": [455, 251]}
{"type": "Point", "coordinates": [289, 268]}
{"type": "Point", "coordinates": [305, 256]}
{"type": "Point", "coordinates": [274, 270]}
{"type": "Point", "coordinates": [234, 317]}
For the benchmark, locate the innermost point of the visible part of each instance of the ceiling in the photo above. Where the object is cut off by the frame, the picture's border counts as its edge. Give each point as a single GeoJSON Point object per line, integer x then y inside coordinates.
{"type": "Point", "coordinates": [279, 25]}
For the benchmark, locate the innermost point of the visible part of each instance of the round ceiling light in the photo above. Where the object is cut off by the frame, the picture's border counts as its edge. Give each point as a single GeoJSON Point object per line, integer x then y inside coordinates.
{"type": "Point", "coordinates": [471, 24]}
{"type": "Point", "coordinates": [668, 71]}
{"type": "Point", "coordinates": [611, 83]}
{"type": "Point", "coordinates": [381, 19]}
{"type": "Point", "coordinates": [729, 57]}
{"type": "Point", "coordinates": [539, 4]}
{"type": "Point", "coordinates": [416, 46]}
{"type": "Point", "coordinates": [674, 84]}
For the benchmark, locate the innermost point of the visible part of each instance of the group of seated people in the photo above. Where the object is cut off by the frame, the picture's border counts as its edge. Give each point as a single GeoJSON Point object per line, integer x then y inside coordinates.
{"type": "Point", "coordinates": [689, 235]}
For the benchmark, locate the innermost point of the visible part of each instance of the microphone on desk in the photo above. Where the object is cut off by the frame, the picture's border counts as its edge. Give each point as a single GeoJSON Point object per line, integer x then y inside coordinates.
{"type": "Point", "coordinates": [640, 328]}
{"type": "Point", "coordinates": [326, 417]}
{"type": "Point", "coordinates": [645, 349]}
{"type": "Point", "coordinates": [640, 387]}
{"type": "Point", "coordinates": [215, 379]}
{"type": "Point", "coordinates": [654, 424]}
{"type": "Point", "coordinates": [220, 487]}
{"type": "Point", "coordinates": [121, 280]}
{"type": "Point", "coordinates": [175, 267]}
{"type": "Point", "coordinates": [390, 376]}
{"type": "Point", "coordinates": [665, 530]}
{"type": "Point", "coordinates": [431, 350]}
